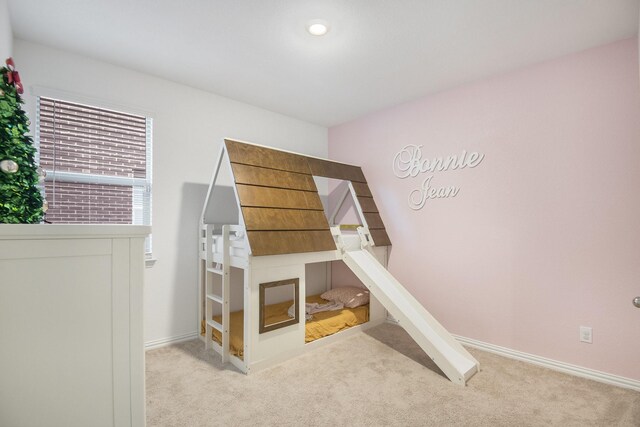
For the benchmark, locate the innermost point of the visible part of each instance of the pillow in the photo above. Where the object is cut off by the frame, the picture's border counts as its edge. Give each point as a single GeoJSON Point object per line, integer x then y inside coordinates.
{"type": "Point", "coordinates": [350, 296]}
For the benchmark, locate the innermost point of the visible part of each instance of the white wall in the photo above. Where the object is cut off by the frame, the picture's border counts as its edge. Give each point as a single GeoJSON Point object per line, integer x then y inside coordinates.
{"type": "Point", "coordinates": [6, 36]}
{"type": "Point", "coordinates": [189, 125]}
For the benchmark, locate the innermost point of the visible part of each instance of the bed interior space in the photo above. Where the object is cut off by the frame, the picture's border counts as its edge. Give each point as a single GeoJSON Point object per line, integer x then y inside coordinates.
{"type": "Point", "coordinates": [328, 308]}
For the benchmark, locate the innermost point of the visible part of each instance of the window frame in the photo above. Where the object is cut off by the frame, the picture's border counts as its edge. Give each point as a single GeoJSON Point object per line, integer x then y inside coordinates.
{"type": "Point", "coordinates": [33, 110]}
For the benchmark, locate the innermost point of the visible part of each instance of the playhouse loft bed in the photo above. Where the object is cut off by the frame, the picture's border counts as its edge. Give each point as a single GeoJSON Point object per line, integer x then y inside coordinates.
{"type": "Point", "coordinates": [266, 245]}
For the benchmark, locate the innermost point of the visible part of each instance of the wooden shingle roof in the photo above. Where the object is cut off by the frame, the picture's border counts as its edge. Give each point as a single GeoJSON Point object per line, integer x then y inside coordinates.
{"type": "Point", "coordinates": [280, 204]}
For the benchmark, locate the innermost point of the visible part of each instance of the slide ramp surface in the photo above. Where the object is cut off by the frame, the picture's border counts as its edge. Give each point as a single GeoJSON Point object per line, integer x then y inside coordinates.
{"type": "Point", "coordinates": [450, 356]}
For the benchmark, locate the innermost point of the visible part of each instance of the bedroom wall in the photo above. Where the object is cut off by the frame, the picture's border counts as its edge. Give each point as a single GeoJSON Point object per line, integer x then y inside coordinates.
{"type": "Point", "coordinates": [189, 125]}
{"type": "Point", "coordinates": [6, 35]}
{"type": "Point", "coordinates": [543, 235]}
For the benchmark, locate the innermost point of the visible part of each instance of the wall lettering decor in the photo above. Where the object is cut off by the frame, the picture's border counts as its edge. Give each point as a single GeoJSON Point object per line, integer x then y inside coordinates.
{"type": "Point", "coordinates": [408, 163]}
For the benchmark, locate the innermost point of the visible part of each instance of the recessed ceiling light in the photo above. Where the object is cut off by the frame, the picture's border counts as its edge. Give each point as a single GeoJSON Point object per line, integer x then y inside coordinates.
{"type": "Point", "coordinates": [318, 27]}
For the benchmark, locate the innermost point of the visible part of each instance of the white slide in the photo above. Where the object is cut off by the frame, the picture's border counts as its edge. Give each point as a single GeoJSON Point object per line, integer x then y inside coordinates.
{"type": "Point", "coordinates": [427, 332]}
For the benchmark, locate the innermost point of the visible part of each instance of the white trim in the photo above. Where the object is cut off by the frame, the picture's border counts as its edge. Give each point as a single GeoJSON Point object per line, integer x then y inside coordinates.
{"type": "Point", "coordinates": [89, 178]}
{"type": "Point", "coordinates": [67, 231]}
{"type": "Point", "coordinates": [555, 365]}
{"type": "Point", "coordinates": [90, 101]}
{"type": "Point", "coordinates": [271, 261]}
{"type": "Point", "coordinates": [163, 342]}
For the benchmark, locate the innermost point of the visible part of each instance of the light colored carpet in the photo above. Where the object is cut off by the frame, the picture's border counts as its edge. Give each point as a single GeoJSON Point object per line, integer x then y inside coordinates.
{"type": "Point", "coordinates": [377, 378]}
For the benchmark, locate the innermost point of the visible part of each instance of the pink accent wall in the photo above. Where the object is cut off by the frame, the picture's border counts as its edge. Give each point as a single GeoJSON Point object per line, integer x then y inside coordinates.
{"type": "Point", "coordinates": [544, 235]}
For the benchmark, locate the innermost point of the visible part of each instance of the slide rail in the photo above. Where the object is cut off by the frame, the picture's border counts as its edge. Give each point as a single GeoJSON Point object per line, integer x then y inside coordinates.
{"type": "Point", "coordinates": [450, 356]}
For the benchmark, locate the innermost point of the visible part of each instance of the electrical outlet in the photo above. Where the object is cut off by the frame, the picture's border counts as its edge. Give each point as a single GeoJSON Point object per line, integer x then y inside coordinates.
{"type": "Point", "coordinates": [586, 334]}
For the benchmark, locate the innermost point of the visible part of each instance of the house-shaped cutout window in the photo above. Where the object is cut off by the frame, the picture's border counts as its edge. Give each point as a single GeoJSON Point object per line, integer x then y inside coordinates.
{"type": "Point", "coordinates": [338, 201]}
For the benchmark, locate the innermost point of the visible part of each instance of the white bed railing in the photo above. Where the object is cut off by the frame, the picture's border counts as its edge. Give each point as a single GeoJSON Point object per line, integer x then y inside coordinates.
{"type": "Point", "coordinates": [211, 245]}
{"type": "Point", "coordinates": [357, 237]}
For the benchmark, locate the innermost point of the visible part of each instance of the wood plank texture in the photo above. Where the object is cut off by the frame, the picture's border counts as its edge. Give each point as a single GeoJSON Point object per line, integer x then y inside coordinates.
{"type": "Point", "coordinates": [283, 219]}
{"type": "Point", "coordinates": [374, 221]}
{"type": "Point", "coordinates": [268, 197]}
{"type": "Point", "coordinates": [367, 204]}
{"type": "Point", "coordinates": [362, 189]}
{"type": "Point", "coordinates": [266, 157]}
{"type": "Point", "coordinates": [281, 207]}
{"type": "Point", "coordinates": [289, 242]}
{"type": "Point", "coordinates": [329, 169]}
{"type": "Point", "coordinates": [380, 237]}
{"type": "Point", "coordinates": [254, 175]}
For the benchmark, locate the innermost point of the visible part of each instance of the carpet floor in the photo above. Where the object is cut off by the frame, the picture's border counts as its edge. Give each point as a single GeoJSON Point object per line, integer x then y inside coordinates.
{"type": "Point", "coordinates": [377, 378]}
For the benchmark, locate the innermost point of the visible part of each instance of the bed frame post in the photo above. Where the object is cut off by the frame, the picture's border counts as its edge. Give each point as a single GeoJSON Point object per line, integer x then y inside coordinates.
{"type": "Point", "coordinates": [248, 352]}
{"type": "Point", "coordinates": [226, 259]}
{"type": "Point", "coordinates": [208, 284]}
{"type": "Point", "coordinates": [202, 276]}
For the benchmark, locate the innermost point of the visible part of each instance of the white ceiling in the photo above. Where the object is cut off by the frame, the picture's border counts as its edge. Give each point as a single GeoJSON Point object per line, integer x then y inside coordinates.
{"type": "Point", "coordinates": [377, 53]}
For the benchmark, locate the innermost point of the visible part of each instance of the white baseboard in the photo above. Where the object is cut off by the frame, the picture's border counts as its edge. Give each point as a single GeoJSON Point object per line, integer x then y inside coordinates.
{"type": "Point", "coordinates": [555, 365]}
{"type": "Point", "coordinates": [150, 345]}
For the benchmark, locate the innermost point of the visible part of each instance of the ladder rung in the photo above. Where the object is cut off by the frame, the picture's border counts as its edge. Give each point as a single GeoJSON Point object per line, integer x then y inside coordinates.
{"type": "Point", "coordinates": [214, 325]}
{"type": "Point", "coordinates": [219, 271]}
{"type": "Point", "coordinates": [216, 298]}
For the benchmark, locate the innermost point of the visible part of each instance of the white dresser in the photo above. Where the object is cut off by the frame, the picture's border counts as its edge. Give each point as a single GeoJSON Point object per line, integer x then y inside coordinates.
{"type": "Point", "coordinates": [71, 335]}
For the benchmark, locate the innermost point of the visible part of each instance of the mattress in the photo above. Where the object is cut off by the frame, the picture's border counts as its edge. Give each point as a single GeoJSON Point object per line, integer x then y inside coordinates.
{"type": "Point", "coordinates": [323, 324]}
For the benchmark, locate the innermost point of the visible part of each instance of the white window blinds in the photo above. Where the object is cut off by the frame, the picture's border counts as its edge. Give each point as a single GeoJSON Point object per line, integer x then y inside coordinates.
{"type": "Point", "coordinates": [98, 163]}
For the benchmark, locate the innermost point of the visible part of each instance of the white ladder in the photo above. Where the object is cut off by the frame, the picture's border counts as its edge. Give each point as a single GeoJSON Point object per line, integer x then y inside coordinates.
{"type": "Point", "coordinates": [212, 298]}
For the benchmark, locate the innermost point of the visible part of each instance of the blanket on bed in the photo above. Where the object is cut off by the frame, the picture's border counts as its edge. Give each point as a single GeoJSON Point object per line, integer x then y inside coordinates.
{"type": "Point", "coordinates": [314, 307]}
{"type": "Point", "coordinates": [323, 324]}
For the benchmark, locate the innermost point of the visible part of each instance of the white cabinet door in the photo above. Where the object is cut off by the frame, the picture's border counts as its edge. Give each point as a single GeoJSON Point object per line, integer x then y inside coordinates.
{"type": "Point", "coordinates": [71, 346]}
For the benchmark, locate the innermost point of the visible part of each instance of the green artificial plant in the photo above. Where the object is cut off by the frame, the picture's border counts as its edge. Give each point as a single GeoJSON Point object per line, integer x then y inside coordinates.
{"type": "Point", "coordinates": [20, 198]}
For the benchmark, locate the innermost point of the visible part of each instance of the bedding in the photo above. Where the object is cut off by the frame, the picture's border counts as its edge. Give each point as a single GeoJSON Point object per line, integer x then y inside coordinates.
{"type": "Point", "coordinates": [312, 308]}
{"type": "Point", "coordinates": [350, 296]}
{"type": "Point", "coordinates": [323, 324]}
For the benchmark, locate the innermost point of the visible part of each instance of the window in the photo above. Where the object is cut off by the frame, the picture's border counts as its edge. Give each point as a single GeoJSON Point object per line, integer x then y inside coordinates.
{"type": "Point", "coordinates": [291, 285]}
{"type": "Point", "coordinates": [97, 164]}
